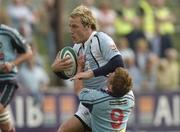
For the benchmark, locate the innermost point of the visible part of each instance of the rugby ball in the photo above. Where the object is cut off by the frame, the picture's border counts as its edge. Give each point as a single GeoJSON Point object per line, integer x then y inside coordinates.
{"type": "Point", "coordinates": [68, 51]}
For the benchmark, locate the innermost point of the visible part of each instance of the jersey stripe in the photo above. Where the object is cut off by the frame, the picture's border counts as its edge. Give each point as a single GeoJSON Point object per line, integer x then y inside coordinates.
{"type": "Point", "coordinates": [94, 57]}
{"type": "Point", "coordinates": [11, 34]}
{"type": "Point", "coordinates": [98, 42]}
{"type": "Point", "coordinates": [100, 100]}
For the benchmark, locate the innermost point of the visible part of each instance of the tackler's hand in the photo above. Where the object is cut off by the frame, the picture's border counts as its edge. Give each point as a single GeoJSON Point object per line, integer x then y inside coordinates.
{"type": "Point", "coordinates": [83, 75]}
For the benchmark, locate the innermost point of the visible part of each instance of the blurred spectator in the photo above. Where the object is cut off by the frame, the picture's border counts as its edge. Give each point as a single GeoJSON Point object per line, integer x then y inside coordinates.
{"type": "Point", "coordinates": [135, 73]}
{"type": "Point", "coordinates": [47, 26]}
{"type": "Point", "coordinates": [90, 5]}
{"type": "Point", "coordinates": [37, 56]}
{"type": "Point", "coordinates": [146, 14]}
{"type": "Point", "coordinates": [123, 47]}
{"type": "Point", "coordinates": [168, 72]}
{"type": "Point", "coordinates": [106, 18]}
{"type": "Point", "coordinates": [150, 73]}
{"type": "Point", "coordinates": [165, 25]}
{"type": "Point", "coordinates": [163, 76]}
{"type": "Point", "coordinates": [127, 24]}
{"type": "Point", "coordinates": [33, 79]}
{"type": "Point", "coordinates": [21, 17]}
{"type": "Point", "coordinates": [4, 19]}
{"type": "Point", "coordinates": [173, 68]}
{"type": "Point", "coordinates": [142, 53]}
{"type": "Point", "coordinates": [129, 59]}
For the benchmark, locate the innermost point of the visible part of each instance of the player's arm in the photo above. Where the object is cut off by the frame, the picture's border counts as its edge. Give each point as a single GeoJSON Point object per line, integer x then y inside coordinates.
{"type": "Point", "coordinates": [111, 54]}
{"type": "Point", "coordinates": [115, 62]}
{"type": "Point", "coordinates": [78, 84]}
{"type": "Point", "coordinates": [20, 45]}
{"type": "Point", "coordinates": [87, 97]}
{"type": "Point", "coordinates": [23, 56]}
{"type": "Point", "coordinates": [8, 66]}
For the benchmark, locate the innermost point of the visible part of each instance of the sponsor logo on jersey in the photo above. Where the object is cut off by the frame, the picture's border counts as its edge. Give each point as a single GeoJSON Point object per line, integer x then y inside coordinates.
{"type": "Point", "coordinates": [113, 47]}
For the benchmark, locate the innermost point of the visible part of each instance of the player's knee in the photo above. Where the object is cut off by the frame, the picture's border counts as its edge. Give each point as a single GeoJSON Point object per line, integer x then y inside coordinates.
{"type": "Point", "coordinates": [4, 117]}
{"type": "Point", "coordinates": [72, 125]}
{"type": "Point", "coordinates": [61, 129]}
{"type": "Point", "coordinates": [5, 122]}
{"type": "Point", "coordinates": [66, 128]}
{"type": "Point", "coordinates": [11, 130]}
{"type": "Point", "coordinates": [2, 108]}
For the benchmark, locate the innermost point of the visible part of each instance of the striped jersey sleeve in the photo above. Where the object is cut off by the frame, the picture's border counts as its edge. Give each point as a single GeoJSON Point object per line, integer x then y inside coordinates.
{"type": "Point", "coordinates": [87, 96]}
{"type": "Point", "coordinates": [90, 97]}
{"type": "Point", "coordinates": [17, 40]}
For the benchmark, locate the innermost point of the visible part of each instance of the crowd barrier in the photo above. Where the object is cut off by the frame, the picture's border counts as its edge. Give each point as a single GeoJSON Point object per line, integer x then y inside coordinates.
{"type": "Point", "coordinates": [153, 112]}
{"type": "Point", "coordinates": [156, 112]}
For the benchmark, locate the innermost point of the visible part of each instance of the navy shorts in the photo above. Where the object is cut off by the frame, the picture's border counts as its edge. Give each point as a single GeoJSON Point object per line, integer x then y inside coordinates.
{"type": "Point", "coordinates": [7, 91]}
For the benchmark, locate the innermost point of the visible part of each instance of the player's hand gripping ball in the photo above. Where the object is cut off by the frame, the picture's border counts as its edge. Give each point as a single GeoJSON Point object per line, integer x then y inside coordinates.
{"type": "Point", "coordinates": [68, 51]}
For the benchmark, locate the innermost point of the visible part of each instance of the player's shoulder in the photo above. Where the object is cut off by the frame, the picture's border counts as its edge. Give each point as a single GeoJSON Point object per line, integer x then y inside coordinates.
{"type": "Point", "coordinates": [130, 95]}
{"type": "Point", "coordinates": [96, 93]}
{"type": "Point", "coordinates": [8, 28]}
{"type": "Point", "coordinates": [102, 35]}
{"type": "Point", "coordinates": [93, 96]}
{"type": "Point", "coordinates": [103, 38]}
{"type": "Point", "coordinates": [93, 90]}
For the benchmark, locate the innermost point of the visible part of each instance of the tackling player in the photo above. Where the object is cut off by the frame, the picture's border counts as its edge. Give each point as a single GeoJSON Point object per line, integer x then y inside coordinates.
{"type": "Point", "coordinates": [110, 108]}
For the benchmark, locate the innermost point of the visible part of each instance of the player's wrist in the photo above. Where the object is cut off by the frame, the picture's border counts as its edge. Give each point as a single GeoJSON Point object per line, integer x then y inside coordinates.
{"type": "Point", "coordinates": [13, 64]}
{"type": "Point", "coordinates": [79, 69]}
{"type": "Point", "coordinates": [90, 73]}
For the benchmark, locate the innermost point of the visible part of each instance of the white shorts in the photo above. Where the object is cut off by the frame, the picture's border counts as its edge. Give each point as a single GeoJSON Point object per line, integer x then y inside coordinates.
{"type": "Point", "coordinates": [83, 115]}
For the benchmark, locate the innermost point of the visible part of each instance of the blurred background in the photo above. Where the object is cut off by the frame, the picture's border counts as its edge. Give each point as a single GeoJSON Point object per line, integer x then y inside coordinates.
{"type": "Point", "coordinates": [147, 35]}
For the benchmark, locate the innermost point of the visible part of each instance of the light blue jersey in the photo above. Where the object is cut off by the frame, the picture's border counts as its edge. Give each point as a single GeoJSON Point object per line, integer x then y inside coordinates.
{"type": "Point", "coordinates": [108, 113]}
{"type": "Point", "coordinates": [11, 44]}
{"type": "Point", "coordinates": [98, 50]}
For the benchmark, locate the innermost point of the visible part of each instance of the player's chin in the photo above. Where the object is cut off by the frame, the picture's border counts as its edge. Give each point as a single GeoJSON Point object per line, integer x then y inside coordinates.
{"type": "Point", "coordinates": [76, 41]}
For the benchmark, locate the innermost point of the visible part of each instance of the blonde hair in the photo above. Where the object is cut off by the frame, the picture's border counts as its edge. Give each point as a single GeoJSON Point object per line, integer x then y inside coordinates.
{"type": "Point", "coordinates": [85, 15]}
{"type": "Point", "coordinates": [121, 82]}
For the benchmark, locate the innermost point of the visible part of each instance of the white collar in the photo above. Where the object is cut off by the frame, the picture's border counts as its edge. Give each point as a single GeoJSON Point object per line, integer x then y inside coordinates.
{"type": "Point", "coordinates": [89, 39]}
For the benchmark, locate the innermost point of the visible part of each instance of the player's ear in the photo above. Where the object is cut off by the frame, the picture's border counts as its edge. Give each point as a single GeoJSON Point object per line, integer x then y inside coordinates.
{"type": "Point", "coordinates": [110, 87]}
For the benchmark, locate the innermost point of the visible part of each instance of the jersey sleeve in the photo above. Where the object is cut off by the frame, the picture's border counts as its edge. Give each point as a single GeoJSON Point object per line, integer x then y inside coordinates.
{"type": "Point", "coordinates": [130, 100]}
{"type": "Point", "coordinates": [19, 43]}
{"type": "Point", "coordinates": [87, 96]}
{"type": "Point", "coordinates": [107, 46]}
